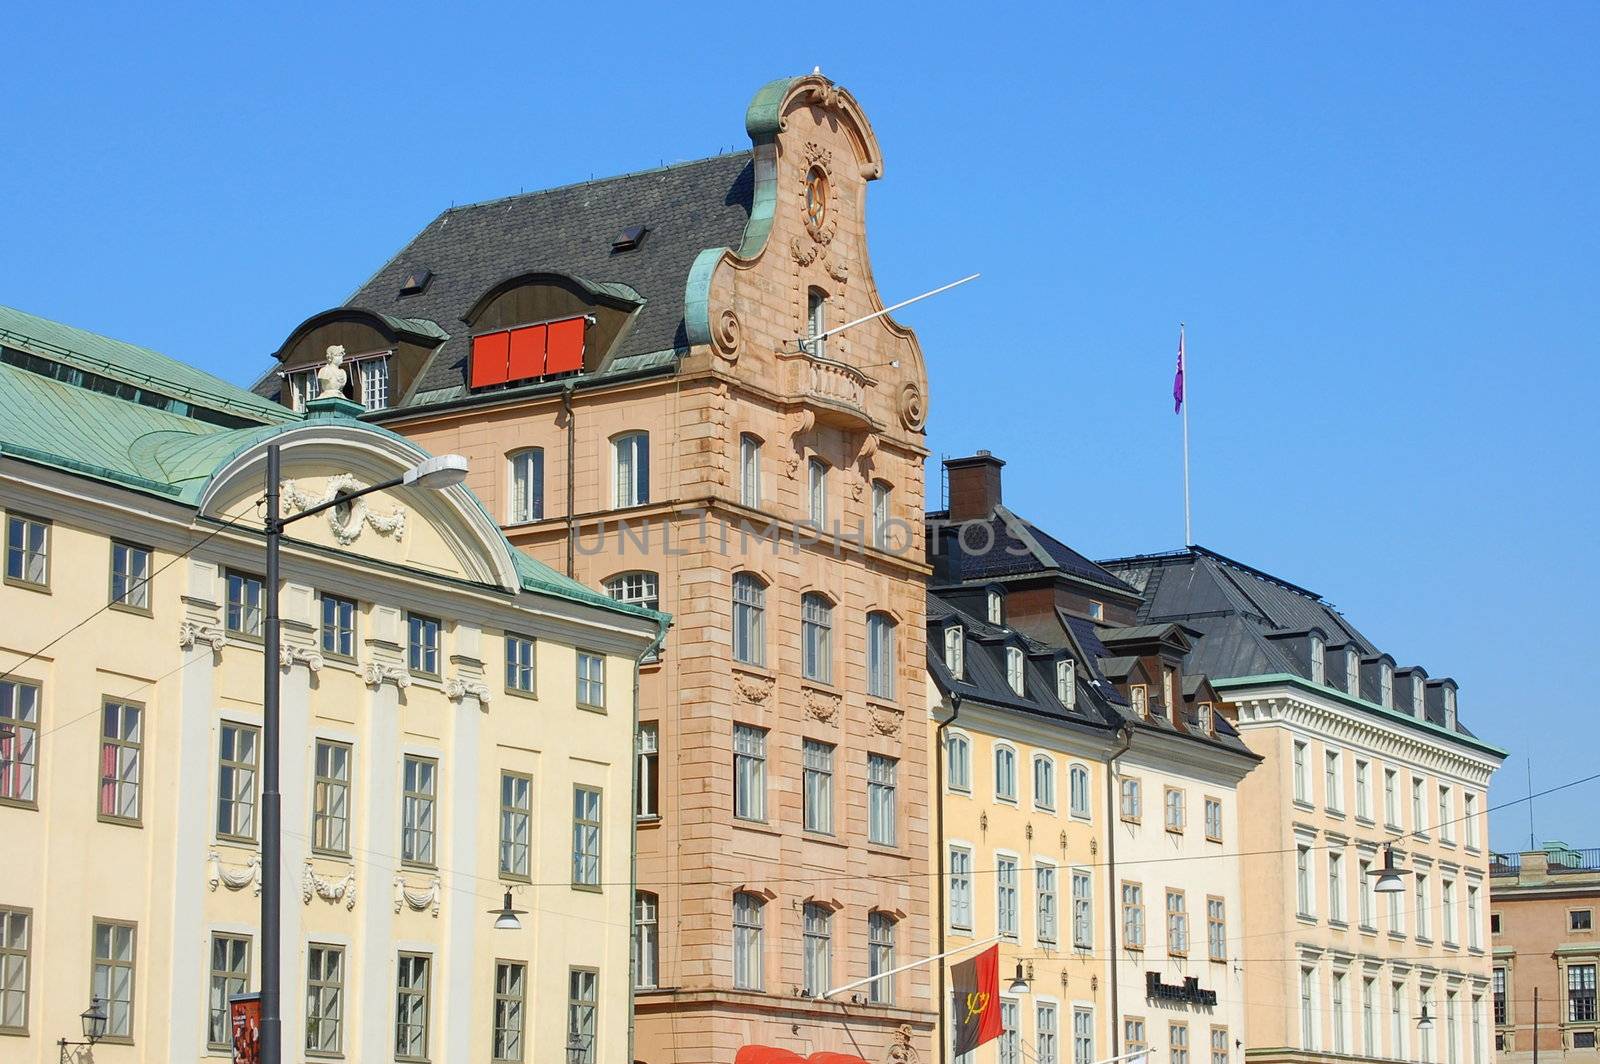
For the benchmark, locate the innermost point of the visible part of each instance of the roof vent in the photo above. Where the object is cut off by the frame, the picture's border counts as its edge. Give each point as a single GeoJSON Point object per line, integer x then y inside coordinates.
{"type": "Point", "coordinates": [416, 281]}
{"type": "Point", "coordinates": [629, 238]}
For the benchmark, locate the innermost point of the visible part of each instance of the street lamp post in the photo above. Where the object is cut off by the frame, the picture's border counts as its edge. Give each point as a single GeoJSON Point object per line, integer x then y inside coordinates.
{"type": "Point", "coordinates": [437, 473]}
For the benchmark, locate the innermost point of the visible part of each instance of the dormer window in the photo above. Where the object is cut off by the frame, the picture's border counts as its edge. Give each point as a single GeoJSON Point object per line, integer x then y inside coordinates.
{"type": "Point", "coordinates": [1097, 610]}
{"type": "Point", "coordinates": [955, 651]}
{"type": "Point", "coordinates": [1417, 703]}
{"type": "Point", "coordinates": [366, 382]}
{"type": "Point", "coordinates": [1352, 672]}
{"type": "Point", "coordinates": [1136, 696]}
{"type": "Point", "coordinates": [1202, 716]}
{"type": "Point", "coordinates": [1169, 677]}
{"type": "Point", "coordinates": [1067, 683]}
{"type": "Point", "coordinates": [1449, 707]}
{"type": "Point", "coordinates": [1014, 673]}
{"type": "Point", "coordinates": [1386, 685]}
{"type": "Point", "coordinates": [1314, 642]}
{"type": "Point", "coordinates": [996, 608]}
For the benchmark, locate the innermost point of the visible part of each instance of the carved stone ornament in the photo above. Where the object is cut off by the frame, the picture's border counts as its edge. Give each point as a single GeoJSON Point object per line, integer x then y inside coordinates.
{"type": "Point", "coordinates": [332, 378]}
{"type": "Point", "coordinates": [289, 655]}
{"type": "Point", "coordinates": [459, 687]}
{"type": "Point", "coordinates": [803, 254]}
{"type": "Point", "coordinates": [885, 721]}
{"type": "Point", "coordinates": [376, 672]}
{"type": "Point", "coordinates": [343, 890]}
{"type": "Point", "coordinates": [348, 524]}
{"type": "Point", "coordinates": [913, 411]}
{"type": "Point", "coordinates": [902, 1050]}
{"type": "Point", "coordinates": [755, 689]}
{"type": "Point", "coordinates": [418, 900]}
{"type": "Point", "coordinates": [727, 334]}
{"type": "Point", "coordinates": [816, 191]}
{"type": "Point", "coordinates": [825, 96]}
{"type": "Point", "coordinates": [192, 632]}
{"type": "Point", "coordinates": [822, 706]}
{"type": "Point", "coordinates": [220, 875]}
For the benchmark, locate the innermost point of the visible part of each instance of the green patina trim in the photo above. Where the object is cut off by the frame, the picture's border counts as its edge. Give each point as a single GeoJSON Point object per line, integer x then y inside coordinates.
{"type": "Point", "coordinates": [764, 117]}
{"type": "Point", "coordinates": [1358, 703]}
{"type": "Point", "coordinates": [697, 296]}
{"type": "Point", "coordinates": [89, 469]}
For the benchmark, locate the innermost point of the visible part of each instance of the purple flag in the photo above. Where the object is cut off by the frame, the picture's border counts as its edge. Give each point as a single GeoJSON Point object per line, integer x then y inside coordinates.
{"type": "Point", "coordinates": [1177, 378]}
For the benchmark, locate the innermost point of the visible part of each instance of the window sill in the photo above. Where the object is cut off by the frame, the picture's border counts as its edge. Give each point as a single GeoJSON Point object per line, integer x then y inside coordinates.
{"type": "Point", "coordinates": [588, 888]}
{"type": "Point", "coordinates": [1214, 838]}
{"type": "Point", "coordinates": [1337, 924]}
{"type": "Point", "coordinates": [589, 707]}
{"type": "Point", "coordinates": [1174, 831]}
{"type": "Point", "coordinates": [119, 821]}
{"type": "Point", "coordinates": [517, 692]}
{"type": "Point", "coordinates": [1301, 803]}
{"type": "Point", "coordinates": [1337, 814]}
{"type": "Point", "coordinates": [653, 820]}
{"type": "Point", "coordinates": [18, 803]}
{"type": "Point", "coordinates": [137, 611]}
{"type": "Point", "coordinates": [757, 827]}
{"type": "Point", "coordinates": [884, 849]}
{"type": "Point", "coordinates": [1398, 936]}
{"type": "Point", "coordinates": [29, 585]}
{"type": "Point", "coordinates": [332, 855]}
{"type": "Point", "coordinates": [1365, 821]}
{"type": "Point", "coordinates": [1306, 918]}
{"type": "Point", "coordinates": [1367, 929]}
{"type": "Point", "coordinates": [1131, 820]}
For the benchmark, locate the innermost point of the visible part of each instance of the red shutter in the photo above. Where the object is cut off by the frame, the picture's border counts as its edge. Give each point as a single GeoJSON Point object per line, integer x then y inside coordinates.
{"type": "Point", "coordinates": [490, 354]}
{"type": "Point", "coordinates": [566, 346]}
{"type": "Point", "coordinates": [527, 353]}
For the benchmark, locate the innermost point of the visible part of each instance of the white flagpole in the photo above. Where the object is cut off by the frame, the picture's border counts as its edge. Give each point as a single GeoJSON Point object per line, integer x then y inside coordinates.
{"type": "Point", "coordinates": [1188, 529]}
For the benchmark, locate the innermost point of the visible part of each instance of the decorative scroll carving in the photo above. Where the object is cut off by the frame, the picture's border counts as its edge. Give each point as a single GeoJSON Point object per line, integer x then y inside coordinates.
{"type": "Point", "coordinates": [346, 522]}
{"type": "Point", "coordinates": [344, 889]}
{"type": "Point", "coordinates": [220, 875]}
{"type": "Point", "coordinates": [310, 657]}
{"type": "Point", "coordinates": [192, 632]}
{"type": "Point", "coordinates": [376, 672]}
{"type": "Point", "coordinates": [756, 689]}
{"type": "Point", "coordinates": [822, 706]}
{"type": "Point", "coordinates": [459, 687]}
{"type": "Point", "coordinates": [913, 411]}
{"type": "Point", "coordinates": [727, 334]}
{"type": "Point", "coordinates": [418, 900]}
{"type": "Point", "coordinates": [885, 721]}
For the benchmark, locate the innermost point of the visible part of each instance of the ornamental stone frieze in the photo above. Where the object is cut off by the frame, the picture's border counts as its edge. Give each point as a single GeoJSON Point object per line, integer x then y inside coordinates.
{"type": "Point", "coordinates": [375, 673]}
{"type": "Point", "coordinates": [822, 706]}
{"type": "Point", "coordinates": [220, 875]}
{"type": "Point", "coordinates": [192, 632]}
{"type": "Point", "coordinates": [290, 655]}
{"type": "Point", "coordinates": [345, 522]}
{"type": "Point", "coordinates": [885, 720]}
{"type": "Point", "coordinates": [418, 900]}
{"type": "Point", "coordinates": [459, 687]}
{"type": "Point", "coordinates": [329, 890]}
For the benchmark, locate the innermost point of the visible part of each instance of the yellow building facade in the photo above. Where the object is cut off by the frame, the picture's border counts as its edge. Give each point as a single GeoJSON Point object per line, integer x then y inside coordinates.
{"type": "Point", "coordinates": [457, 721]}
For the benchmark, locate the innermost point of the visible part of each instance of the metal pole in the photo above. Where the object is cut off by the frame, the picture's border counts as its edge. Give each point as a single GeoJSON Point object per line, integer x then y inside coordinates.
{"type": "Point", "coordinates": [1188, 530]}
{"type": "Point", "coordinates": [1535, 1025]}
{"type": "Point", "coordinates": [271, 800]}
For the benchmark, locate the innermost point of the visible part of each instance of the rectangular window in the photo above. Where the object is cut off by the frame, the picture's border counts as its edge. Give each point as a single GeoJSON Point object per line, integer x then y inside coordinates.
{"type": "Point", "coordinates": [1397, 925]}
{"type": "Point", "coordinates": [1308, 1019]}
{"type": "Point", "coordinates": [417, 811]}
{"type": "Point", "coordinates": [330, 798]}
{"type": "Point", "coordinates": [1580, 993]}
{"type": "Point", "coordinates": [1333, 783]}
{"type": "Point", "coordinates": [647, 753]}
{"type": "Point", "coordinates": [1044, 895]}
{"type": "Point", "coordinates": [961, 889]}
{"type": "Point", "coordinates": [527, 485]}
{"type": "Point", "coordinates": [1580, 919]}
{"type": "Point", "coordinates": [230, 977]}
{"type": "Point", "coordinates": [816, 638]}
{"type": "Point", "coordinates": [750, 471]}
{"type": "Point", "coordinates": [1337, 1014]}
{"type": "Point", "coordinates": [1336, 887]}
{"type": "Point", "coordinates": [1216, 929]}
{"type": "Point", "coordinates": [646, 940]}
{"type": "Point", "coordinates": [1365, 893]}
{"type": "Point", "coordinates": [1421, 906]}
{"type": "Point", "coordinates": [516, 824]}
{"type": "Point", "coordinates": [1419, 815]}
{"type": "Point", "coordinates": [1082, 911]}
{"type": "Point", "coordinates": [882, 807]}
{"type": "Point", "coordinates": [1499, 987]}
{"type": "Point", "coordinates": [1391, 798]}
{"type": "Point", "coordinates": [1397, 1020]}
{"type": "Point", "coordinates": [236, 782]}
{"type": "Point", "coordinates": [817, 481]}
{"type": "Point", "coordinates": [1082, 1036]}
{"type": "Point", "coordinates": [338, 626]}
{"type": "Point", "coordinates": [1219, 1045]}
{"type": "Point", "coordinates": [880, 515]}
{"type": "Point", "coordinates": [749, 772]}
{"type": "Point", "coordinates": [1133, 915]}
{"type": "Point", "coordinates": [1369, 1018]}
{"type": "Point", "coordinates": [1174, 807]}
{"type": "Point", "coordinates": [1137, 698]}
{"type": "Point", "coordinates": [371, 377]}
{"type": "Point", "coordinates": [27, 551]}
{"type": "Point", "coordinates": [1302, 785]}
{"type": "Point", "coordinates": [1044, 783]}
{"type": "Point", "coordinates": [130, 576]}
{"type": "Point", "coordinates": [1010, 1042]}
{"type": "Point", "coordinates": [16, 963]}
{"type": "Point", "coordinates": [1044, 1029]}
{"type": "Point", "coordinates": [591, 680]}
{"type": "Point", "coordinates": [1005, 895]}
{"type": "Point", "coordinates": [112, 978]}
{"type": "Point", "coordinates": [19, 742]}
{"type": "Point", "coordinates": [1447, 911]}
{"type": "Point", "coordinates": [880, 656]}
{"type": "Point", "coordinates": [1469, 821]}
{"type": "Point", "coordinates": [422, 646]}
{"type": "Point", "coordinates": [1363, 790]}
{"type": "Point", "coordinates": [749, 619]}
{"type": "Point", "coordinates": [1302, 878]}
{"type": "Point", "coordinates": [1131, 807]}
{"type": "Point", "coordinates": [958, 753]}
{"type": "Point", "coordinates": [1133, 1036]}
{"type": "Point", "coordinates": [1213, 820]}
{"type": "Point", "coordinates": [586, 837]}
{"type": "Point", "coordinates": [1452, 1028]}
{"type": "Point", "coordinates": [519, 664]}
{"type": "Point", "coordinates": [1447, 829]}
{"type": "Point", "coordinates": [121, 760]}
{"type": "Point", "coordinates": [632, 453]}
{"type": "Point", "coordinates": [510, 1009]}
{"type": "Point", "coordinates": [818, 951]}
{"type": "Point", "coordinates": [1177, 924]}
{"type": "Point", "coordinates": [748, 931]}
{"type": "Point", "coordinates": [1178, 1039]}
{"type": "Point", "coordinates": [411, 1007]}
{"type": "Point", "coordinates": [817, 796]}
{"type": "Point", "coordinates": [245, 613]}
{"type": "Point", "coordinates": [880, 958]}
{"type": "Point", "coordinates": [324, 998]}
{"type": "Point", "coordinates": [583, 1006]}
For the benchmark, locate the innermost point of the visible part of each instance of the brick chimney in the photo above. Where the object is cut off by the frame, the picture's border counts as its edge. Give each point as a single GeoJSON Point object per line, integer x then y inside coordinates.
{"type": "Point", "coordinates": [974, 485]}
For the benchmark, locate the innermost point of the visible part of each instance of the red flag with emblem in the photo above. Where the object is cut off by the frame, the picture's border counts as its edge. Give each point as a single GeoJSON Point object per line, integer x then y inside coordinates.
{"type": "Point", "coordinates": [976, 1006]}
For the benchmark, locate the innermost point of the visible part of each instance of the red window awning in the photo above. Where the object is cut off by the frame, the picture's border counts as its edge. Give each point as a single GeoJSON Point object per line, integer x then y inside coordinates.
{"type": "Point", "coordinates": [490, 355]}
{"type": "Point", "coordinates": [528, 352]}
{"type": "Point", "coordinates": [774, 1055]}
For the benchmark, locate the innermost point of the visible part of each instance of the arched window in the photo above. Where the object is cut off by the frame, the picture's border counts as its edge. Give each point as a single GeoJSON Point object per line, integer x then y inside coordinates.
{"type": "Point", "coordinates": [527, 485]}
{"type": "Point", "coordinates": [748, 931]}
{"type": "Point", "coordinates": [1078, 786]}
{"type": "Point", "coordinates": [1005, 773]}
{"type": "Point", "coordinates": [955, 651]}
{"type": "Point", "coordinates": [637, 588]}
{"type": "Point", "coordinates": [1014, 672]}
{"type": "Point", "coordinates": [749, 619]}
{"type": "Point", "coordinates": [631, 458]}
{"type": "Point", "coordinates": [958, 762]}
{"type": "Point", "coordinates": [750, 471]}
{"type": "Point", "coordinates": [1067, 683]}
{"type": "Point", "coordinates": [1044, 782]}
{"type": "Point", "coordinates": [880, 655]}
{"type": "Point", "coordinates": [816, 637]}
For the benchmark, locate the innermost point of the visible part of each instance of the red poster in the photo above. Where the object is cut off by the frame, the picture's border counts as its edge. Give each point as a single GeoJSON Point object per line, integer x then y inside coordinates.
{"type": "Point", "coordinates": [244, 1012]}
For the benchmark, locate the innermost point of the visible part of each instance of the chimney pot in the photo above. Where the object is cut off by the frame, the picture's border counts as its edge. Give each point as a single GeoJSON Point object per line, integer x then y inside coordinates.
{"type": "Point", "coordinates": [974, 485]}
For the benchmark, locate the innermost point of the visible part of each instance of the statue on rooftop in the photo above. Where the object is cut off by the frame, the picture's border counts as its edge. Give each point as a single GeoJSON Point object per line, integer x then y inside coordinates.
{"type": "Point", "coordinates": [332, 377]}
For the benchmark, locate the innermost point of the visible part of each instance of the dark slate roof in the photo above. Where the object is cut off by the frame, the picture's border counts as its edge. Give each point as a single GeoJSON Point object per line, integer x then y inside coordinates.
{"type": "Point", "coordinates": [1238, 610]}
{"type": "Point", "coordinates": [1014, 546]}
{"type": "Point", "coordinates": [687, 208]}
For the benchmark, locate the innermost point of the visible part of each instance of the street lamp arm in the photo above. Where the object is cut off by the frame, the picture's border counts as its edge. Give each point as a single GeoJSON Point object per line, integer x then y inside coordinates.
{"type": "Point", "coordinates": [914, 964]}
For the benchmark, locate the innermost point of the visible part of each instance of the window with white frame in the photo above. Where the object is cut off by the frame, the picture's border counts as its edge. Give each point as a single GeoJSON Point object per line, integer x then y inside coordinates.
{"type": "Point", "coordinates": [817, 492]}
{"type": "Point", "coordinates": [1067, 683]}
{"type": "Point", "coordinates": [338, 626]}
{"type": "Point", "coordinates": [955, 651]}
{"type": "Point", "coordinates": [1133, 915]}
{"type": "Point", "coordinates": [1045, 903]}
{"type": "Point", "coordinates": [881, 495]}
{"type": "Point", "coordinates": [1336, 887]}
{"type": "Point", "coordinates": [1369, 1017]}
{"type": "Point", "coordinates": [245, 613]}
{"type": "Point", "coordinates": [882, 807]}
{"type": "Point", "coordinates": [27, 550]}
{"type": "Point", "coordinates": [1447, 911]}
{"type": "Point", "coordinates": [749, 772]}
{"type": "Point", "coordinates": [330, 798]}
{"type": "Point", "coordinates": [1007, 921]}
{"type": "Point", "coordinates": [1045, 1033]}
{"type": "Point", "coordinates": [19, 742]}
{"type": "Point", "coordinates": [1213, 808]}
{"type": "Point", "coordinates": [1082, 1036]}
{"type": "Point", "coordinates": [1177, 923]}
{"type": "Point", "coordinates": [1139, 700]}
{"type": "Point", "coordinates": [1397, 1020]}
{"type": "Point", "coordinates": [647, 759]}
{"type": "Point", "coordinates": [370, 378]}
{"type": "Point", "coordinates": [880, 655]}
{"type": "Point", "coordinates": [1078, 790]}
{"type": "Point", "coordinates": [817, 940]}
{"type": "Point", "coordinates": [1447, 827]}
{"type": "Point", "coordinates": [1308, 1019]}
{"type": "Point", "coordinates": [880, 958]}
{"type": "Point", "coordinates": [1009, 1044]}
{"type": "Point", "coordinates": [816, 323]}
{"type": "Point", "coordinates": [1363, 790]}
{"type": "Point", "coordinates": [1302, 784]}
{"type": "Point", "coordinates": [1178, 1043]}
{"type": "Point", "coordinates": [1469, 820]}
{"type": "Point", "coordinates": [1474, 918]}
{"type": "Point", "coordinates": [631, 468]}
{"type": "Point", "coordinates": [961, 888]}
{"type": "Point", "coordinates": [1420, 905]}
{"type": "Point", "coordinates": [750, 471]}
{"type": "Point", "coordinates": [749, 619]}
{"type": "Point", "coordinates": [994, 604]}
{"type": "Point", "coordinates": [1419, 814]}
{"type": "Point", "coordinates": [1044, 782]}
{"type": "Point", "coordinates": [519, 664]}
{"type": "Point", "coordinates": [1391, 798]}
{"type": "Point", "coordinates": [1366, 895]}
{"type": "Point", "coordinates": [1352, 671]}
{"type": "Point", "coordinates": [422, 644]}
{"type": "Point", "coordinates": [1315, 646]}
{"type": "Point", "coordinates": [527, 485]}
{"type": "Point", "coordinates": [1216, 929]}
{"type": "Point", "coordinates": [1333, 782]}
{"type": "Point", "coordinates": [1174, 810]}
{"type": "Point", "coordinates": [591, 680]}
{"type": "Point", "coordinates": [1132, 807]}
{"type": "Point", "coordinates": [638, 588]}
{"type": "Point", "coordinates": [1386, 685]}
{"type": "Point", "coordinates": [816, 637]}
{"type": "Point", "coordinates": [817, 786]}
{"type": "Point", "coordinates": [130, 576]}
{"type": "Point", "coordinates": [958, 767]}
{"type": "Point", "coordinates": [1005, 773]}
{"type": "Point", "coordinates": [749, 928]}
{"type": "Point", "coordinates": [1014, 670]}
{"type": "Point", "coordinates": [1337, 1011]}
{"type": "Point", "coordinates": [646, 940]}
{"type": "Point", "coordinates": [1082, 910]}
{"type": "Point", "coordinates": [1302, 877]}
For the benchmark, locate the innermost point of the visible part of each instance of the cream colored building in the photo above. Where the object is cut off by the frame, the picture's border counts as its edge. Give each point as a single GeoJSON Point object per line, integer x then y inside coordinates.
{"type": "Point", "coordinates": [437, 748]}
{"type": "Point", "coordinates": [1358, 755]}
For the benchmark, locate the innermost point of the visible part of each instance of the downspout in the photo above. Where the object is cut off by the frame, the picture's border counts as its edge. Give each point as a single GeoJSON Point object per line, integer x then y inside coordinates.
{"type": "Point", "coordinates": [938, 830]}
{"type": "Point", "coordinates": [633, 836]}
{"type": "Point", "coordinates": [572, 436]}
{"type": "Point", "coordinates": [1125, 734]}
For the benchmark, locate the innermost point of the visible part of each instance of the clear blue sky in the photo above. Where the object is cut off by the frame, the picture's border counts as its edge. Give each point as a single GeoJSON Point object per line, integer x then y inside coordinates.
{"type": "Point", "coordinates": [1379, 222]}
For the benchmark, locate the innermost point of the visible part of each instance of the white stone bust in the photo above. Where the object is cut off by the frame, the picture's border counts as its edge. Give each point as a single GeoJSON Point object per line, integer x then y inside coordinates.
{"type": "Point", "coordinates": [332, 376]}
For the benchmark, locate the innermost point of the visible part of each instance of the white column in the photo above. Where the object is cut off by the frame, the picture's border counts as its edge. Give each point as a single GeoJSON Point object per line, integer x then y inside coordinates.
{"type": "Point", "coordinates": [463, 908]}
{"type": "Point", "coordinates": [372, 964]}
{"type": "Point", "coordinates": [294, 703]}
